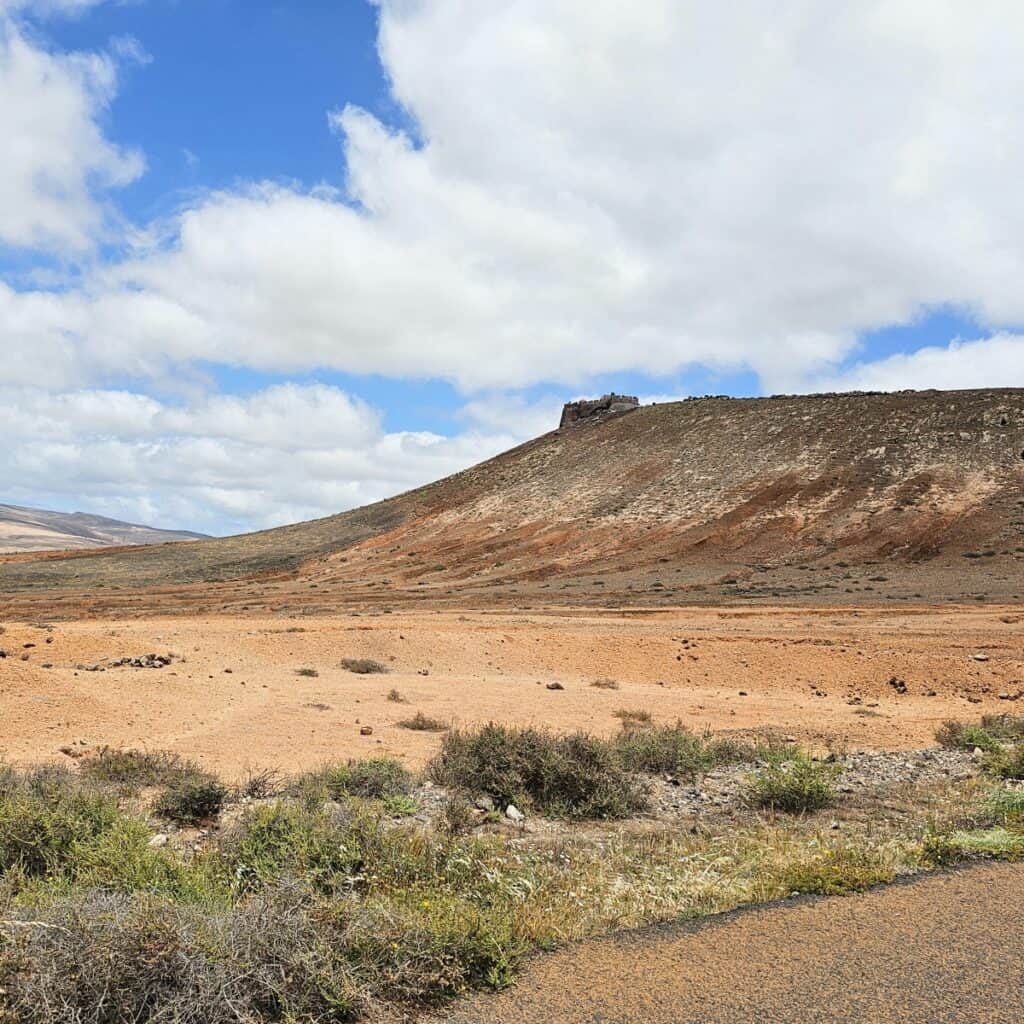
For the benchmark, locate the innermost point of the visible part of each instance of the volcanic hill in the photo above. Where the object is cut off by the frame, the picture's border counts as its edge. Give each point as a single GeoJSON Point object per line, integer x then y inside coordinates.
{"type": "Point", "coordinates": [822, 499]}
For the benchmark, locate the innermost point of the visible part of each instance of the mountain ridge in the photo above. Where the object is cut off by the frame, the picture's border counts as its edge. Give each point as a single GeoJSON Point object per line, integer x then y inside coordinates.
{"type": "Point", "coordinates": [713, 499]}
{"type": "Point", "coordinates": [25, 529]}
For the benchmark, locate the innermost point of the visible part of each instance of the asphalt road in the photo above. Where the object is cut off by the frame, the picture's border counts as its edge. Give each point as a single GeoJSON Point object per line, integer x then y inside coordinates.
{"type": "Point", "coordinates": [947, 948]}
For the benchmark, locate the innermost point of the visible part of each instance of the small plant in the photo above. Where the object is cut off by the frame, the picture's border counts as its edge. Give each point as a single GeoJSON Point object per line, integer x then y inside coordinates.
{"type": "Point", "coordinates": [400, 806]}
{"type": "Point", "coordinates": [965, 736]}
{"type": "Point", "coordinates": [363, 666]}
{"type": "Point", "coordinates": [194, 797]}
{"type": "Point", "coordinates": [1004, 806]}
{"type": "Point", "coordinates": [261, 785]}
{"type": "Point", "coordinates": [1006, 762]}
{"type": "Point", "coordinates": [135, 768]}
{"type": "Point", "coordinates": [374, 779]}
{"type": "Point", "coordinates": [794, 787]}
{"type": "Point", "coordinates": [633, 718]}
{"type": "Point", "coordinates": [423, 723]}
{"type": "Point", "coordinates": [676, 750]}
{"type": "Point", "coordinates": [605, 684]}
{"type": "Point", "coordinates": [395, 697]}
{"type": "Point", "coordinates": [838, 871]}
{"type": "Point", "coordinates": [308, 673]}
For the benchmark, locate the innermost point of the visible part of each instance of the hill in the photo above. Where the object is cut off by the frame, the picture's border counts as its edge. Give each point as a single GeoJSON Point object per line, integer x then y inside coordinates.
{"type": "Point", "coordinates": [32, 529]}
{"type": "Point", "coordinates": [822, 499]}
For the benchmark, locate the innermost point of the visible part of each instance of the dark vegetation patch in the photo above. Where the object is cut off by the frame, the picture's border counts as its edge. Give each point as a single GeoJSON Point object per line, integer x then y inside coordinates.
{"type": "Point", "coordinates": [363, 666]}
{"type": "Point", "coordinates": [424, 723]}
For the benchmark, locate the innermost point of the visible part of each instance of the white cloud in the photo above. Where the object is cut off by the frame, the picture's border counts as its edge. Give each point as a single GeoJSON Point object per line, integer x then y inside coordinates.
{"type": "Point", "coordinates": [56, 160]}
{"type": "Point", "coordinates": [997, 361]}
{"type": "Point", "coordinates": [220, 463]}
{"type": "Point", "coordinates": [590, 190]}
{"type": "Point", "coordinates": [741, 185]}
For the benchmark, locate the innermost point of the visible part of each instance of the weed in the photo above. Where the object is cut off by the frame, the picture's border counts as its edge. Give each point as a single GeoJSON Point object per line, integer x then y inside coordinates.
{"type": "Point", "coordinates": [794, 786]}
{"type": "Point", "coordinates": [134, 769]}
{"type": "Point", "coordinates": [423, 723]}
{"type": "Point", "coordinates": [605, 684]}
{"type": "Point", "coordinates": [633, 718]}
{"type": "Point", "coordinates": [1006, 762]}
{"type": "Point", "coordinates": [965, 736]}
{"type": "Point", "coordinates": [839, 870]}
{"type": "Point", "coordinates": [308, 673]}
{"type": "Point", "coordinates": [363, 666]}
{"type": "Point", "coordinates": [396, 698]}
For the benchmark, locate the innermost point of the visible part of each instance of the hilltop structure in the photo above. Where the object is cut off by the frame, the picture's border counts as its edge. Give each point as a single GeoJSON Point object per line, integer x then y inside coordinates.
{"type": "Point", "coordinates": [597, 408]}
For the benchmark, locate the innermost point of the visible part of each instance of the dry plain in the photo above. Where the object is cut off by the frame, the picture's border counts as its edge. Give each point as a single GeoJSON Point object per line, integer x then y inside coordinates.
{"type": "Point", "coordinates": [233, 698]}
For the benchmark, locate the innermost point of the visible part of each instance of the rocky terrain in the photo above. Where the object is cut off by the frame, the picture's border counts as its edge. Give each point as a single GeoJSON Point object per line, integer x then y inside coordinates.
{"type": "Point", "coordinates": [33, 529]}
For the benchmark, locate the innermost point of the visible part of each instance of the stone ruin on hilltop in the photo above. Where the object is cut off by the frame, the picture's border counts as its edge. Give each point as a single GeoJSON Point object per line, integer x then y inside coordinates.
{"type": "Point", "coordinates": [597, 408]}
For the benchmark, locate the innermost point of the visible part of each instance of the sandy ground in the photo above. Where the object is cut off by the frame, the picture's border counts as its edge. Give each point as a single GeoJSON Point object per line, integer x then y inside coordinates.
{"type": "Point", "coordinates": [234, 700]}
{"type": "Point", "coordinates": [942, 950]}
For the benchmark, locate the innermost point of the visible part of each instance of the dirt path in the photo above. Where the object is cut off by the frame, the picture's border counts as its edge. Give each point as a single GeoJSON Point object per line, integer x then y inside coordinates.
{"type": "Point", "coordinates": [943, 950]}
{"type": "Point", "coordinates": [233, 697]}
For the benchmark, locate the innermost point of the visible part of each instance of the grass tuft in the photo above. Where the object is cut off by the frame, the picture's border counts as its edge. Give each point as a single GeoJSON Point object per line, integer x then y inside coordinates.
{"type": "Point", "coordinates": [424, 723]}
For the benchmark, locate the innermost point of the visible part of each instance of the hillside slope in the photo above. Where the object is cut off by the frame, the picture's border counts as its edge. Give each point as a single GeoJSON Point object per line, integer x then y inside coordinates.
{"type": "Point", "coordinates": [823, 498]}
{"type": "Point", "coordinates": [33, 529]}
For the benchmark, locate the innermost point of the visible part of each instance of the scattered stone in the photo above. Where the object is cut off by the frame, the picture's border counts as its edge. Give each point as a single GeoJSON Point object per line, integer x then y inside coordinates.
{"type": "Point", "coordinates": [159, 840]}
{"type": "Point", "coordinates": [514, 814]}
{"type": "Point", "coordinates": [980, 657]}
{"type": "Point", "coordinates": [484, 803]}
{"type": "Point", "coordinates": [366, 730]}
{"type": "Point", "coordinates": [898, 685]}
{"type": "Point", "coordinates": [555, 686]}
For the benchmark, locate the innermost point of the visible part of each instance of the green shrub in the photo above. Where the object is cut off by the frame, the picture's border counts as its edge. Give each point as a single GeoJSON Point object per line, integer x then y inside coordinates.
{"type": "Point", "coordinates": [575, 776]}
{"type": "Point", "coordinates": [1009, 728]}
{"type": "Point", "coordinates": [45, 818]}
{"type": "Point", "coordinates": [193, 797]}
{"type": "Point", "coordinates": [136, 768]}
{"type": "Point", "coordinates": [676, 750]}
{"type": "Point", "coordinates": [372, 779]}
{"type": "Point", "coordinates": [965, 736]}
{"type": "Point", "coordinates": [1006, 762]}
{"type": "Point", "coordinates": [794, 786]}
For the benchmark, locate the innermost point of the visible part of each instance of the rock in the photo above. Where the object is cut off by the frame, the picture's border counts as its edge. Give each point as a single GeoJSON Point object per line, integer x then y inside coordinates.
{"type": "Point", "coordinates": [366, 730]}
{"type": "Point", "coordinates": [980, 657]}
{"type": "Point", "coordinates": [555, 686]}
{"type": "Point", "coordinates": [160, 839]}
{"type": "Point", "coordinates": [597, 408]}
{"type": "Point", "coordinates": [977, 752]}
{"type": "Point", "coordinates": [484, 803]}
{"type": "Point", "coordinates": [514, 814]}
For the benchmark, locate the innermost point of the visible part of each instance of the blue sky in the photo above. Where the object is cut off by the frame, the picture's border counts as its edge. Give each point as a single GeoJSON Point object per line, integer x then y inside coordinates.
{"type": "Point", "coordinates": [265, 261]}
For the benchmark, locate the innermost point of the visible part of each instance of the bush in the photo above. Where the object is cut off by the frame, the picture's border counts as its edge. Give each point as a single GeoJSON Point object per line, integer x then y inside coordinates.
{"type": "Point", "coordinates": [46, 817]}
{"type": "Point", "coordinates": [363, 666]}
{"type": "Point", "coordinates": [794, 786]}
{"type": "Point", "coordinates": [194, 797]}
{"type": "Point", "coordinates": [575, 776]}
{"type": "Point", "coordinates": [633, 718]}
{"type": "Point", "coordinates": [423, 723]}
{"type": "Point", "coordinates": [1004, 806]}
{"type": "Point", "coordinates": [675, 750]}
{"type": "Point", "coordinates": [373, 779]}
{"type": "Point", "coordinates": [136, 768]}
{"type": "Point", "coordinates": [965, 736]}
{"type": "Point", "coordinates": [1006, 762]}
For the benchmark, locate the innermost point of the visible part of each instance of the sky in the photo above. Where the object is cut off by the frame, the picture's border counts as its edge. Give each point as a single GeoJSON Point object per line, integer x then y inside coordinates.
{"type": "Point", "coordinates": [265, 261]}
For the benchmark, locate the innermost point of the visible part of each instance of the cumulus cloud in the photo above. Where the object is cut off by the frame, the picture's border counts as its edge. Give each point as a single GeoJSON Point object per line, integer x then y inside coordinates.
{"type": "Point", "coordinates": [739, 185]}
{"type": "Point", "coordinates": [56, 160]}
{"type": "Point", "coordinates": [997, 361]}
{"type": "Point", "coordinates": [585, 190]}
{"type": "Point", "coordinates": [220, 463]}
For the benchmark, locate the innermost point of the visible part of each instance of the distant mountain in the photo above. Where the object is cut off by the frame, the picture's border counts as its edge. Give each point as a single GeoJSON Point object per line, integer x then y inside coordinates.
{"type": "Point", "coordinates": [33, 529]}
